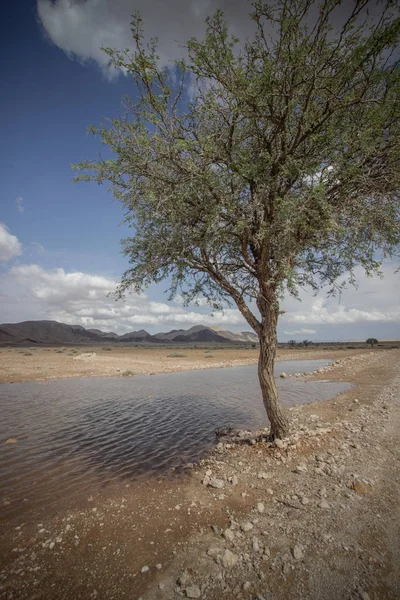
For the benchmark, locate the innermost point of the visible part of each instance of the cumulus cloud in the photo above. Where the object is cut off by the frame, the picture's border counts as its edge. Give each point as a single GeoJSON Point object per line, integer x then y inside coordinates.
{"type": "Point", "coordinates": [374, 300]}
{"type": "Point", "coordinates": [10, 246]}
{"type": "Point", "coordinates": [80, 29]}
{"type": "Point", "coordinates": [20, 204]}
{"type": "Point", "coordinates": [32, 292]}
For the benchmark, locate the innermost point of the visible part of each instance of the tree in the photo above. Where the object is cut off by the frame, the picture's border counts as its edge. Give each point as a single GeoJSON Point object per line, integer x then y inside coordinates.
{"type": "Point", "coordinates": [292, 343]}
{"type": "Point", "coordinates": [371, 342]}
{"type": "Point", "coordinates": [306, 343]}
{"type": "Point", "coordinates": [248, 171]}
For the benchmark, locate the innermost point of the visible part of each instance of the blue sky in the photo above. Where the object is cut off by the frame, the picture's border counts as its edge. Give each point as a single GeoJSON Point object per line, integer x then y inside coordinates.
{"type": "Point", "coordinates": [60, 242]}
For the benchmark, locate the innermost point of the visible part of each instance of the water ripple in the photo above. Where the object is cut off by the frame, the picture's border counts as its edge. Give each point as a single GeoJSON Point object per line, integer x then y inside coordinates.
{"type": "Point", "coordinates": [76, 435]}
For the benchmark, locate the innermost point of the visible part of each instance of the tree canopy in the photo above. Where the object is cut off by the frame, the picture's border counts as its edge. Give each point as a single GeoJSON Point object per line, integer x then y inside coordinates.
{"type": "Point", "coordinates": [254, 168]}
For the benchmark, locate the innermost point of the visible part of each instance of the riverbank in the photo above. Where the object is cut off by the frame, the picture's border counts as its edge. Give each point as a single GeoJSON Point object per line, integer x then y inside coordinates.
{"type": "Point", "coordinates": [37, 364]}
{"type": "Point", "coordinates": [315, 518]}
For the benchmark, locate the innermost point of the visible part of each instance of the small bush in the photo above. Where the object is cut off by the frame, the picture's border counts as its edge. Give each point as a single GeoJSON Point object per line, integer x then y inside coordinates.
{"type": "Point", "coordinates": [108, 349]}
{"type": "Point", "coordinates": [127, 373]}
{"type": "Point", "coordinates": [28, 353]}
{"type": "Point", "coordinates": [208, 355]}
{"type": "Point", "coordinates": [176, 355]}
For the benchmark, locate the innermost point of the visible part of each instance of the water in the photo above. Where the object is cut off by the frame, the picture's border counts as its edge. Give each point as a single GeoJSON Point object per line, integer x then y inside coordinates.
{"type": "Point", "coordinates": [74, 436]}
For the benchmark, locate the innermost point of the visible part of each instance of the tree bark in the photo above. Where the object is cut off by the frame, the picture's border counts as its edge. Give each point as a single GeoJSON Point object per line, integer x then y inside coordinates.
{"type": "Point", "coordinates": [268, 343]}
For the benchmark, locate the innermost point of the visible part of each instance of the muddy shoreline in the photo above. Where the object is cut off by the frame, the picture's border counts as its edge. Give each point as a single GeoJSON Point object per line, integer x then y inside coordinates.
{"type": "Point", "coordinates": [40, 364]}
{"type": "Point", "coordinates": [175, 527]}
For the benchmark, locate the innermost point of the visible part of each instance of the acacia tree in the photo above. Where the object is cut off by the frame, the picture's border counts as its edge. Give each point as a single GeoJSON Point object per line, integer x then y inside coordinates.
{"type": "Point", "coordinates": [248, 170]}
{"type": "Point", "coordinates": [371, 342]}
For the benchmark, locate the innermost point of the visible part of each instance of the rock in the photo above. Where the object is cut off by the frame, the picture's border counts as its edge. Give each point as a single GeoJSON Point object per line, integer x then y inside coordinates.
{"type": "Point", "coordinates": [283, 375]}
{"type": "Point", "coordinates": [305, 501]}
{"type": "Point", "coordinates": [206, 480]}
{"type": "Point", "coordinates": [234, 480]}
{"type": "Point", "coordinates": [246, 526]}
{"type": "Point", "coordinates": [216, 483]}
{"type": "Point", "coordinates": [229, 559]}
{"type": "Point", "coordinates": [214, 551]}
{"type": "Point", "coordinates": [323, 504]}
{"type": "Point", "coordinates": [365, 596]}
{"type": "Point", "coordinates": [297, 552]}
{"type": "Point", "coordinates": [10, 441]}
{"type": "Point", "coordinates": [229, 535]}
{"type": "Point", "coordinates": [51, 545]}
{"type": "Point", "coordinates": [279, 443]}
{"type": "Point", "coordinates": [256, 545]}
{"type": "Point", "coordinates": [260, 507]}
{"type": "Point", "coordinates": [193, 592]}
{"type": "Point", "coordinates": [246, 586]}
{"type": "Point", "coordinates": [158, 566]}
{"type": "Point", "coordinates": [145, 569]}
{"type": "Point", "coordinates": [301, 468]}
{"type": "Point", "coordinates": [263, 475]}
{"type": "Point", "coordinates": [184, 579]}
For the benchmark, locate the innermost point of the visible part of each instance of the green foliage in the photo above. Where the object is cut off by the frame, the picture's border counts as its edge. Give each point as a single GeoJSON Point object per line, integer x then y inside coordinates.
{"type": "Point", "coordinates": [371, 342]}
{"type": "Point", "coordinates": [176, 355]}
{"type": "Point", "coordinates": [245, 172]}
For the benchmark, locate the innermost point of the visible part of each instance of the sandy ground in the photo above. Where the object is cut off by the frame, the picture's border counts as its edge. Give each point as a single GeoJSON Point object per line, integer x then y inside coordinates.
{"type": "Point", "coordinates": [28, 364]}
{"type": "Point", "coordinates": [317, 518]}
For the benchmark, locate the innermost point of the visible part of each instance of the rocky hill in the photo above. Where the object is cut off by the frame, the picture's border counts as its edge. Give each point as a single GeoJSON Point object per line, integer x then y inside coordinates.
{"type": "Point", "coordinates": [52, 332]}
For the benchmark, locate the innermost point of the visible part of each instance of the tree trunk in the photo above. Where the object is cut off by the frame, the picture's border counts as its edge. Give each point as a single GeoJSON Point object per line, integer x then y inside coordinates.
{"type": "Point", "coordinates": [268, 342]}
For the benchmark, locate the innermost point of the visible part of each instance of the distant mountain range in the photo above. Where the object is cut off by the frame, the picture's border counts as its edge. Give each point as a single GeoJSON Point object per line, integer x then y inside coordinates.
{"type": "Point", "coordinates": [52, 332]}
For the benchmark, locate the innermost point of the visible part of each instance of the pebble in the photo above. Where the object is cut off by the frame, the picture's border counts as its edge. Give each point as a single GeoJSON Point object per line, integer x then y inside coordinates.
{"type": "Point", "coordinates": [184, 579]}
{"type": "Point", "coordinates": [229, 535]}
{"type": "Point", "coordinates": [159, 566]}
{"type": "Point", "coordinates": [297, 552]}
{"type": "Point", "coordinates": [193, 592]}
{"type": "Point", "coordinates": [246, 526]}
{"type": "Point", "coordinates": [260, 507]}
{"type": "Point", "coordinates": [263, 475]}
{"type": "Point", "coordinates": [323, 504]}
{"type": "Point", "coordinates": [234, 480]}
{"type": "Point", "coordinates": [256, 545]}
{"type": "Point", "coordinates": [246, 586]}
{"type": "Point", "coordinates": [216, 483]}
{"type": "Point", "coordinates": [302, 468]}
{"type": "Point", "coordinates": [229, 559]}
{"type": "Point", "coordinates": [144, 569]}
{"type": "Point", "coordinates": [51, 545]}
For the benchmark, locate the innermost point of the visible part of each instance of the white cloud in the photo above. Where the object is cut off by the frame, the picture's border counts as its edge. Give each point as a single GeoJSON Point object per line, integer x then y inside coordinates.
{"type": "Point", "coordinates": [10, 246]}
{"type": "Point", "coordinates": [32, 292]}
{"type": "Point", "coordinates": [303, 331]}
{"type": "Point", "coordinates": [80, 29]}
{"type": "Point", "coordinates": [375, 300]}
{"type": "Point", "coordinates": [20, 204]}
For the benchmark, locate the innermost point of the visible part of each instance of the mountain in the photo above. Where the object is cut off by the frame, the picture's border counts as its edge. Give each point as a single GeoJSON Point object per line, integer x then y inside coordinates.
{"type": "Point", "coordinates": [52, 332]}
{"type": "Point", "coordinates": [136, 336]}
{"type": "Point", "coordinates": [45, 332]}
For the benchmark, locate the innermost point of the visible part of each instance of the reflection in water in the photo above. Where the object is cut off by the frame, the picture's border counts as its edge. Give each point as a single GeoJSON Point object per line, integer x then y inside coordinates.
{"type": "Point", "coordinates": [76, 435]}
